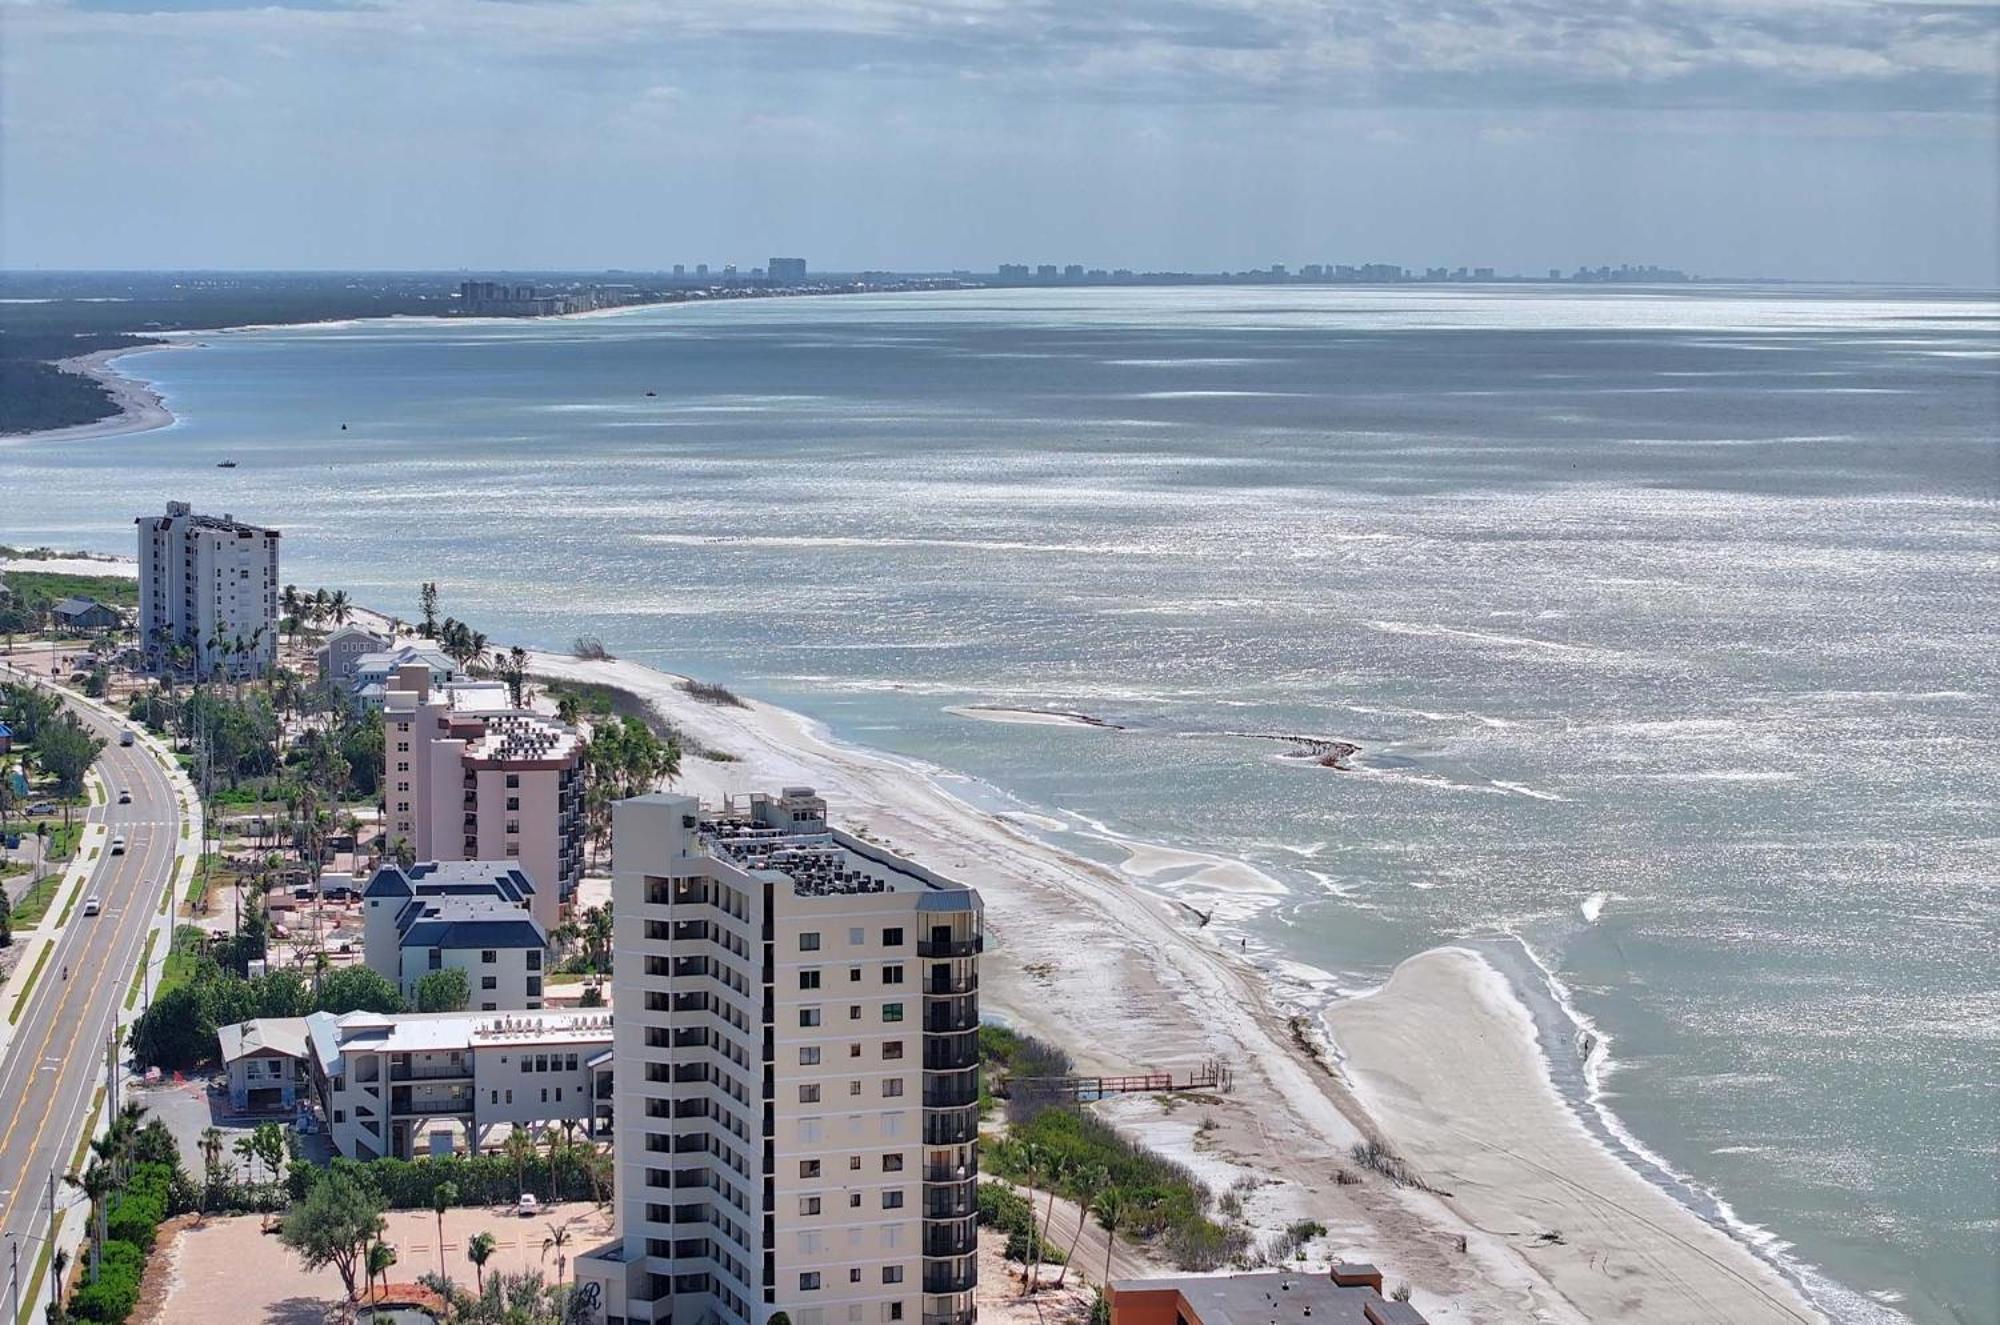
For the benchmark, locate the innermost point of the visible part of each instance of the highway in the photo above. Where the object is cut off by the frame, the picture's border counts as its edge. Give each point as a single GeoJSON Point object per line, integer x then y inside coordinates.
{"type": "Point", "coordinates": [56, 1059]}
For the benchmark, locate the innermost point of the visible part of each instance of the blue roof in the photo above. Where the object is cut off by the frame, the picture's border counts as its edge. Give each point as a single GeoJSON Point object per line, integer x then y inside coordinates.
{"type": "Point", "coordinates": [5, 730]}
{"type": "Point", "coordinates": [446, 933]}
{"type": "Point", "coordinates": [388, 882]}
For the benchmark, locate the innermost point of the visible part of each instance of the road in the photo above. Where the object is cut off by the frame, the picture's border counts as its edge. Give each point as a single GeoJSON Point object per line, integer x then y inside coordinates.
{"type": "Point", "coordinates": [56, 1060]}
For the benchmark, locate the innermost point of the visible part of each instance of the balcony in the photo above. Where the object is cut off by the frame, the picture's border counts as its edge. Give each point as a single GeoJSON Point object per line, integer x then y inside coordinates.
{"type": "Point", "coordinates": [450, 1104]}
{"type": "Point", "coordinates": [959, 1237]}
{"type": "Point", "coordinates": [430, 1071]}
{"type": "Point", "coordinates": [949, 1015]}
{"type": "Point", "coordinates": [948, 984]}
{"type": "Point", "coordinates": [960, 1276]}
{"type": "Point", "coordinates": [959, 1200]}
{"type": "Point", "coordinates": [943, 948]}
{"type": "Point", "coordinates": [966, 1317]}
{"type": "Point", "coordinates": [945, 1052]}
{"type": "Point", "coordinates": [951, 1090]}
{"type": "Point", "coordinates": [951, 1127]}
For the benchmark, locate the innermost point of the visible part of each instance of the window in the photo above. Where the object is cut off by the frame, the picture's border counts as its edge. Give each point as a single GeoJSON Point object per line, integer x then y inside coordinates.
{"type": "Point", "coordinates": [808, 1016]}
{"type": "Point", "coordinates": [854, 1051]}
{"type": "Point", "coordinates": [892, 1012]}
{"type": "Point", "coordinates": [489, 1007]}
{"type": "Point", "coordinates": [854, 1012]}
{"type": "Point", "coordinates": [534, 986]}
{"type": "Point", "coordinates": [541, 1062]}
{"type": "Point", "coordinates": [854, 1163]}
{"type": "Point", "coordinates": [892, 1200]}
{"type": "Point", "coordinates": [809, 1056]}
{"type": "Point", "coordinates": [809, 941]}
{"type": "Point", "coordinates": [809, 979]}
{"type": "Point", "coordinates": [892, 975]}
{"type": "Point", "coordinates": [809, 1205]}
{"type": "Point", "coordinates": [856, 937]}
{"type": "Point", "coordinates": [510, 1097]}
{"type": "Point", "coordinates": [808, 1168]}
{"type": "Point", "coordinates": [340, 1115]}
{"type": "Point", "coordinates": [895, 1311]}
{"type": "Point", "coordinates": [854, 1200]}
{"type": "Point", "coordinates": [570, 1062]}
{"type": "Point", "coordinates": [892, 1088]}
{"type": "Point", "coordinates": [545, 1094]}
{"type": "Point", "coordinates": [854, 1087]}
{"type": "Point", "coordinates": [489, 982]}
{"type": "Point", "coordinates": [809, 1282]}
{"type": "Point", "coordinates": [809, 1094]}
{"type": "Point", "coordinates": [534, 959]}
{"type": "Point", "coordinates": [854, 1275]}
{"type": "Point", "coordinates": [892, 1274]}
{"type": "Point", "coordinates": [513, 802]}
{"type": "Point", "coordinates": [892, 1050]}
{"type": "Point", "coordinates": [513, 781]}
{"type": "Point", "coordinates": [892, 938]}
{"type": "Point", "coordinates": [892, 1163]}
{"type": "Point", "coordinates": [489, 955]}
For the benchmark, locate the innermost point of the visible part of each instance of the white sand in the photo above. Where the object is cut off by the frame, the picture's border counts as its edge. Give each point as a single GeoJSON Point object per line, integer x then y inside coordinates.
{"type": "Point", "coordinates": [72, 566]}
{"type": "Point", "coordinates": [139, 406]}
{"type": "Point", "coordinates": [1444, 1057]}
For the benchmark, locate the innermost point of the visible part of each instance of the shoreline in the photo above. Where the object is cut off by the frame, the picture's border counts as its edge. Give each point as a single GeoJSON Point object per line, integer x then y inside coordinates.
{"type": "Point", "coordinates": [1115, 973]}
{"type": "Point", "coordinates": [140, 408]}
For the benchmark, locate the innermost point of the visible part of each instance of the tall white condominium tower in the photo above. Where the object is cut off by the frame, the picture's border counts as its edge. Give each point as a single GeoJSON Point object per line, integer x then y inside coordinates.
{"type": "Point", "coordinates": [208, 593]}
{"type": "Point", "coordinates": [797, 1079]}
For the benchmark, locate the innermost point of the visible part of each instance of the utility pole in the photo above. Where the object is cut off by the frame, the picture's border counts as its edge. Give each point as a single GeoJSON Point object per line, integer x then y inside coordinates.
{"type": "Point", "coordinates": [111, 1073]}
{"type": "Point", "coordinates": [55, 1284]}
{"type": "Point", "coordinates": [14, 1253]}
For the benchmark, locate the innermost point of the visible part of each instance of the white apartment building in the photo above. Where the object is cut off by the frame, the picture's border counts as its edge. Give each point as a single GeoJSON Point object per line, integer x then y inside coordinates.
{"type": "Point", "coordinates": [797, 1086]}
{"type": "Point", "coordinates": [210, 584]}
{"type": "Point", "coordinates": [422, 1083]}
{"type": "Point", "coordinates": [473, 784]}
{"type": "Point", "coordinates": [474, 916]}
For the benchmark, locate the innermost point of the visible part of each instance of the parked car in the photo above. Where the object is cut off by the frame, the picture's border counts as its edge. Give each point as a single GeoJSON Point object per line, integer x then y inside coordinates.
{"type": "Point", "coordinates": [117, 846]}
{"type": "Point", "coordinates": [92, 905]}
{"type": "Point", "coordinates": [529, 1205]}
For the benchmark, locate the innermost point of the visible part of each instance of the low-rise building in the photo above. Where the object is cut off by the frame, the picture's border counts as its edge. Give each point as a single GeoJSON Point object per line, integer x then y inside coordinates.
{"type": "Point", "coordinates": [1349, 1295]}
{"type": "Point", "coordinates": [341, 651]}
{"type": "Point", "coordinates": [374, 672]}
{"type": "Point", "coordinates": [428, 1083]}
{"type": "Point", "coordinates": [266, 1061]}
{"type": "Point", "coordinates": [473, 916]}
{"type": "Point", "coordinates": [86, 614]}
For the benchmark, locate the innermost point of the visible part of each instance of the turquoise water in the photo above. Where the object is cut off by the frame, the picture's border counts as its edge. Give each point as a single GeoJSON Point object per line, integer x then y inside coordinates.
{"type": "Point", "coordinates": [1662, 620]}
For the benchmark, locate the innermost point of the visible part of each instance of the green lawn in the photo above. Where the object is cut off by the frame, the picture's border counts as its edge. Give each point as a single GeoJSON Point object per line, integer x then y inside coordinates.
{"type": "Point", "coordinates": [31, 904]}
{"type": "Point", "coordinates": [114, 590]}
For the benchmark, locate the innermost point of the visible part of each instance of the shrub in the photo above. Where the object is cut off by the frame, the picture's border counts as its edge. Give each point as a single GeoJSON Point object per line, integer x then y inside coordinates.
{"type": "Point", "coordinates": [711, 692]}
{"type": "Point", "coordinates": [110, 1300]}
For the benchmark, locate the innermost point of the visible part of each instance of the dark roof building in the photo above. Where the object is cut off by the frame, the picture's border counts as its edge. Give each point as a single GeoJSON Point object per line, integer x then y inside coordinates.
{"type": "Point", "coordinates": [1351, 1295]}
{"type": "Point", "coordinates": [86, 614]}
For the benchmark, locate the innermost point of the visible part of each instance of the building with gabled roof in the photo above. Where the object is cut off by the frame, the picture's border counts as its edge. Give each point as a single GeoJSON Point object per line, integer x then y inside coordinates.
{"type": "Point", "coordinates": [476, 916]}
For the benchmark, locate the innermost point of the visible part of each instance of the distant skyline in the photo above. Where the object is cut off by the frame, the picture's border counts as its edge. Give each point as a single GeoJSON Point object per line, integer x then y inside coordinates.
{"type": "Point", "coordinates": [1842, 141]}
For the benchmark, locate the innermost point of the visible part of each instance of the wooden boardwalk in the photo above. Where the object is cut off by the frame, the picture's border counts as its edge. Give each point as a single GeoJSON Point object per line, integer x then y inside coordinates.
{"type": "Point", "coordinates": [1213, 1075]}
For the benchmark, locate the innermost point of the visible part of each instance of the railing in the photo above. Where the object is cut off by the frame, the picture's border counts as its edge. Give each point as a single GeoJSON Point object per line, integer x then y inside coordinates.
{"type": "Point", "coordinates": [457, 1105]}
{"type": "Point", "coordinates": [429, 1071]}
{"type": "Point", "coordinates": [967, 1317]}
{"type": "Point", "coordinates": [953, 1277]}
{"type": "Point", "coordinates": [964, 984]}
{"type": "Point", "coordinates": [960, 1237]}
{"type": "Point", "coordinates": [951, 1127]}
{"type": "Point", "coordinates": [944, 1051]}
{"type": "Point", "coordinates": [952, 1090]}
{"type": "Point", "coordinates": [958, 1201]}
{"type": "Point", "coordinates": [971, 947]}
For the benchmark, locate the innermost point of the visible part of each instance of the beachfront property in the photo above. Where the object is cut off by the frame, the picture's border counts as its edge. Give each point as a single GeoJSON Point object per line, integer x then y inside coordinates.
{"type": "Point", "coordinates": [468, 783]}
{"type": "Point", "coordinates": [797, 1097]}
{"type": "Point", "coordinates": [82, 615]}
{"type": "Point", "coordinates": [372, 673]}
{"type": "Point", "coordinates": [208, 593]}
{"type": "Point", "coordinates": [338, 654]}
{"type": "Point", "coordinates": [474, 916]}
{"type": "Point", "coordinates": [429, 1083]}
{"type": "Point", "coordinates": [1350, 1295]}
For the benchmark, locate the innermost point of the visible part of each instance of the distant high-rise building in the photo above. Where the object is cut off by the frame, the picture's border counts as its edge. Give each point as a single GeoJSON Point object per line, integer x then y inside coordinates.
{"type": "Point", "coordinates": [208, 593]}
{"type": "Point", "coordinates": [729, 269]}
{"type": "Point", "coordinates": [1013, 271]}
{"type": "Point", "coordinates": [680, 269]}
{"type": "Point", "coordinates": [786, 269]}
{"type": "Point", "coordinates": [1046, 272]}
{"type": "Point", "coordinates": [1073, 272]}
{"type": "Point", "coordinates": [701, 269]}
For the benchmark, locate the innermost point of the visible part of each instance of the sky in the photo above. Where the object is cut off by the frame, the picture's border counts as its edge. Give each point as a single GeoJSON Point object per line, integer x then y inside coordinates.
{"type": "Point", "coordinates": [1808, 139]}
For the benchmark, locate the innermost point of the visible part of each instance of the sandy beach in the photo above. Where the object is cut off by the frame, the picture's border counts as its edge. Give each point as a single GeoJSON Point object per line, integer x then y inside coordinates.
{"type": "Point", "coordinates": [140, 408]}
{"type": "Point", "coordinates": [1442, 1065]}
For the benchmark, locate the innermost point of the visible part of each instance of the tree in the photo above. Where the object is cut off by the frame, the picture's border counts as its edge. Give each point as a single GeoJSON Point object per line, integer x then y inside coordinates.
{"type": "Point", "coordinates": [96, 1183]}
{"type": "Point", "coordinates": [444, 990]}
{"type": "Point", "coordinates": [211, 1163]}
{"type": "Point", "coordinates": [519, 1147]}
{"type": "Point", "coordinates": [443, 1197]}
{"type": "Point", "coordinates": [558, 1242]}
{"type": "Point", "coordinates": [357, 989]}
{"type": "Point", "coordinates": [1034, 1162]}
{"type": "Point", "coordinates": [65, 750]}
{"type": "Point", "coordinates": [479, 1249]}
{"type": "Point", "coordinates": [427, 607]}
{"type": "Point", "coordinates": [1086, 1186]}
{"type": "Point", "coordinates": [333, 1225]}
{"type": "Point", "coordinates": [1111, 1210]}
{"type": "Point", "coordinates": [381, 1256]}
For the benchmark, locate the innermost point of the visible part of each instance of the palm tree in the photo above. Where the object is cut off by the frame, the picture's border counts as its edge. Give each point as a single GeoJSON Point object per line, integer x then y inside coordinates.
{"type": "Point", "coordinates": [1087, 1185]}
{"type": "Point", "coordinates": [380, 1257]}
{"type": "Point", "coordinates": [247, 1147]}
{"type": "Point", "coordinates": [96, 1183]}
{"type": "Point", "coordinates": [211, 1160]}
{"type": "Point", "coordinates": [519, 1147]}
{"type": "Point", "coordinates": [1111, 1210]}
{"type": "Point", "coordinates": [443, 1197]}
{"type": "Point", "coordinates": [558, 1241]}
{"type": "Point", "coordinates": [59, 1263]}
{"type": "Point", "coordinates": [337, 608]}
{"type": "Point", "coordinates": [479, 1249]}
{"type": "Point", "coordinates": [1034, 1161]}
{"type": "Point", "coordinates": [1058, 1170]}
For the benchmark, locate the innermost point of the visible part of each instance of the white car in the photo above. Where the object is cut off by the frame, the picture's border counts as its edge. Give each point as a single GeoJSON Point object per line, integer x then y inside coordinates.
{"type": "Point", "coordinates": [92, 905]}
{"type": "Point", "coordinates": [528, 1206]}
{"type": "Point", "coordinates": [117, 846]}
{"type": "Point", "coordinates": [124, 796]}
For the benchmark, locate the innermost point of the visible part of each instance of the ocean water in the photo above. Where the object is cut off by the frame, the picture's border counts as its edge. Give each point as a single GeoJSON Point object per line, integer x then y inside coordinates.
{"type": "Point", "coordinates": [1663, 620]}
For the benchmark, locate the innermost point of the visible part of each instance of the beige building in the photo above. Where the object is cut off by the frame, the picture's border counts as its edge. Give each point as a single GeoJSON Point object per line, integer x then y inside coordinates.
{"type": "Point", "coordinates": [207, 585]}
{"type": "Point", "coordinates": [472, 784]}
{"type": "Point", "coordinates": [797, 1075]}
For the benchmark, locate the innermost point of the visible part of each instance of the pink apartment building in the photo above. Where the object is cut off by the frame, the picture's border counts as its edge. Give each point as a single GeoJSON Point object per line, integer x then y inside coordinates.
{"type": "Point", "coordinates": [462, 785]}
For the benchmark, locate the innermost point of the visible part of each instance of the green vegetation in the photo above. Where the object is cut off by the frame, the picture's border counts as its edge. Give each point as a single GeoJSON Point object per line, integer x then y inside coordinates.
{"type": "Point", "coordinates": [28, 985]}
{"type": "Point", "coordinates": [334, 1223]}
{"type": "Point", "coordinates": [1080, 1156]}
{"type": "Point", "coordinates": [139, 976]}
{"type": "Point", "coordinates": [33, 902]}
{"type": "Point", "coordinates": [179, 1029]}
{"type": "Point", "coordinates": [711, 692]}
{"type": "Point", "coordinates": [565, 1170]}
{"type": "Point", "coordinates": [1008, 1212]}
{"type": "Point", "coordinates": [134, 1183]}
{"type": "Point", "coordinates": [120, 591]}
{"type": "Point", "coordinates": [445, 990]}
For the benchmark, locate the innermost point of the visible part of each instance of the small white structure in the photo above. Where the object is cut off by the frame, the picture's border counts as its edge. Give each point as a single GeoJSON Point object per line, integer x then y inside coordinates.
{"type": "Point", "coordinates": [475, 916]}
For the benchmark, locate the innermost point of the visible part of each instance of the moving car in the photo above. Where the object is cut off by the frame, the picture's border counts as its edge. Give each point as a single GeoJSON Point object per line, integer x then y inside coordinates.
{"type": "Point", "coordinates": [124, 796]}
{"type": "Point", "coordinates": [125, 737]}
{"type": "Point", "coordinates": [92, 905]}
{"type": "Point", "coordinates": [117, 846]}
